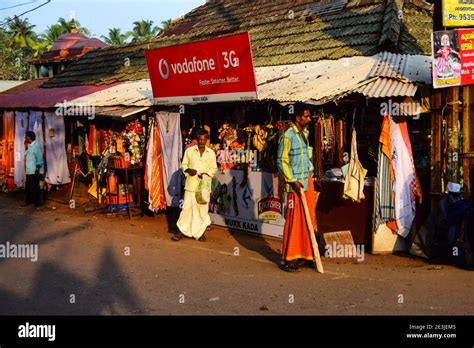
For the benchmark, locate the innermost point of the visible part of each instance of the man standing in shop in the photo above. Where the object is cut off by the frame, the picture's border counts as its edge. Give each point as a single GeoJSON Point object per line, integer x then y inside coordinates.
{"type": "Point", "coordinates": [294, 163]}
{"type": "Point", "coordinates": [199, 165]}
{"type": "Point", "coordinates": [34, 168]}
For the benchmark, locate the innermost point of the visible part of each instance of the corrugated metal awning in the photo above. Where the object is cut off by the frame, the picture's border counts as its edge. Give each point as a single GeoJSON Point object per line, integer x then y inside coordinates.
{"type": "Point", "coordinates": [119, 111]}
{"type": "Point", "coordinates": [30, 95]}
{"type": "Point", "coordinates": [132, 93]}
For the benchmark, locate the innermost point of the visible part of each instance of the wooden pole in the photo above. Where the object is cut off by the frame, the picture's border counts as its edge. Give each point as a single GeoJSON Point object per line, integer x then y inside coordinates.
{"type": "Point", "coordinates": [309, 223]}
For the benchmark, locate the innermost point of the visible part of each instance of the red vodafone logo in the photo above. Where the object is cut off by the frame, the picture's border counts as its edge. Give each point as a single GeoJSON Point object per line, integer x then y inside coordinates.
{"type": "Point", "coordinates": [164, 69]}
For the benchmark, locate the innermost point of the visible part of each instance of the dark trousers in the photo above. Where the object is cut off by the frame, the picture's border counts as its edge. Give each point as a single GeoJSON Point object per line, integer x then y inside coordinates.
{"type": "Point", "coordinates": [32, 189]}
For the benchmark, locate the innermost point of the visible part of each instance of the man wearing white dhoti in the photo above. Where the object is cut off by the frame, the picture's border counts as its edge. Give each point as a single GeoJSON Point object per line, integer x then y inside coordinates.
{"type": "Point", "coordinates": [199, 165]}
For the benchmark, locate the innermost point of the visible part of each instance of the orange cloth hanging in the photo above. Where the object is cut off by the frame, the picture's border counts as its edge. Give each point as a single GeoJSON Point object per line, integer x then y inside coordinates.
{"type": "Point", "coordinates": [157, 190]}
{"type": "Point", "coordinates": [8, 138]}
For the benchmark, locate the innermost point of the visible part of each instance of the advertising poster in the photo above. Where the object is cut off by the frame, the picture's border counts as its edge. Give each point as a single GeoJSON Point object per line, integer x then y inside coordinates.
{"type": "Point", "coordinates": [458, 13]}
{"type": "Point", "coordinates": [466, 43]}
{"type": "Point", "coordinates": [253, 205]}
{"type": "Point", "coordinates": [206, 71]}
{"type": "Point", "coordinates": [446, 59]}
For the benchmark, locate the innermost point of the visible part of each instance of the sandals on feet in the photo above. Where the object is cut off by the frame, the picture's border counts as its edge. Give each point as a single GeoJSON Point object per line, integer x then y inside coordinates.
{"type": "Point", "coordinates": [177, 237]}
{"type": "Point", "coordinates": [289, 267]}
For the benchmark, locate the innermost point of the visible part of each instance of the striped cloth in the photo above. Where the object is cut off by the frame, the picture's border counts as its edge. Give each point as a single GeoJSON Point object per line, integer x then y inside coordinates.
{"type": "Point", "coordinates": [385, 203]}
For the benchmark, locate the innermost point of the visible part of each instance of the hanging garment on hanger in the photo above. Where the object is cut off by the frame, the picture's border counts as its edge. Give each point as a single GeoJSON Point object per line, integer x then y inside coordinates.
{"type": "Point", "coordinates": [56, 157]}
{"type": "Point", "coordinates": [355, 176]}
{"type": "Point", "coordinates": [171, 147]}
{"type": "Point", "coordinates": [406, 187]}
{"type": "Point", "coordinates": [21, 126]}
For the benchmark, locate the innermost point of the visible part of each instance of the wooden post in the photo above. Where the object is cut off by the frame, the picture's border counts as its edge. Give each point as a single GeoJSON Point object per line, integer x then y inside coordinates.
{"type": "Point", "coordinates": [452, 134]}
{"type": "Point", "coordinates": [436, 145]}
{"type": "Point", "coordinates": [468, 136]}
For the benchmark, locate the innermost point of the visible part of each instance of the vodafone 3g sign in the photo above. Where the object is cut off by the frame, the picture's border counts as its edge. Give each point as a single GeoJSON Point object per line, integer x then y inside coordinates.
{"type": "Point", "coordinates": [204, 71]}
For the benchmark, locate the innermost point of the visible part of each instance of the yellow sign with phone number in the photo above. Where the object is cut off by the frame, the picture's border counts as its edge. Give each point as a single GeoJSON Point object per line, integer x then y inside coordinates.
{"type": "Point", "coordinates": [458, 13]}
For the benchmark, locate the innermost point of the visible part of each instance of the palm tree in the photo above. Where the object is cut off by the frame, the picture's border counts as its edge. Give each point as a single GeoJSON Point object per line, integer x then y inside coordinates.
{"type": "Point", "coordinates": [144, 30]}
{"type": "Point", "coordinates": [167, 24]}
{"type": "Point", "coordinates": [20, 32]}
{"type": "Point", "coordinates": [52, 33]}
{"type": "Point", "coordinates": [67, 26]}
{"type": "Point", "coordinates": [115, 38]}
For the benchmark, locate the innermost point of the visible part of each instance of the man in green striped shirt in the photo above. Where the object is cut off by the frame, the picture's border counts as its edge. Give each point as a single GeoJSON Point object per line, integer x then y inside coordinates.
{"type": "Point", "coordinates": [295, 164]}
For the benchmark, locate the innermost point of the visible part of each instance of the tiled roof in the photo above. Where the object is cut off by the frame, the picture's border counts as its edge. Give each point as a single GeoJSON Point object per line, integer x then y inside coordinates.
{"type": "Point", "coordinates": [282, 32]}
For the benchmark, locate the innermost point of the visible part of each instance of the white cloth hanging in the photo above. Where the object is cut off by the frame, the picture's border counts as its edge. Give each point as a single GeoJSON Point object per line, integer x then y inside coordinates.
{"type": "Point", "coordinates": [56, 158]}
{"type": "Point", "coordinates": [171, 147]}
{"type": "Point", "coordinates": [35, 125]}
{"type": "Point", "coordinates": [355, 177]}
{"type": "Point", "coordinates": [21, 127]}
{"type": "Point", "coordinates": [405, 178]}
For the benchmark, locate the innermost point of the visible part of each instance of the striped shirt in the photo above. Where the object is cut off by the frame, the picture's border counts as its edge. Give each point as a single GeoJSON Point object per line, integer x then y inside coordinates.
{"type": "Point", "coordinates": [294, 157]}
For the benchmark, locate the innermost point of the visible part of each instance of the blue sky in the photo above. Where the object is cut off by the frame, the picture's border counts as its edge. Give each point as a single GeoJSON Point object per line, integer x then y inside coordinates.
{"type": "Point", "coordinates": [98, 15]}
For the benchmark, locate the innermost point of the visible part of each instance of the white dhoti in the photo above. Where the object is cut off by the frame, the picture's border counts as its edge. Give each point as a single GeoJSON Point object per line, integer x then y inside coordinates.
{"type": "Point", "coordinates": [194, 217]}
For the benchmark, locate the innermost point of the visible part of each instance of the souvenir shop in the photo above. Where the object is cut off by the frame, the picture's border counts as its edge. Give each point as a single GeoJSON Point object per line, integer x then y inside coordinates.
{"type": "Point", "coordinates": [248, 193]}
{"type": "Point", "coordinates": [106, 156]}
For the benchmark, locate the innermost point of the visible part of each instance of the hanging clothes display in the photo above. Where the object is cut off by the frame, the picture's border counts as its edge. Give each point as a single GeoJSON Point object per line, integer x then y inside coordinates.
{"type": "Point", "coordinates": [340, 142]}
{"type": "Point", "coordinates": [8, 140]}
{"type": "Point", "coordinates": [94, 141]}
{"type": "Point", "coordinates": [318, 149]}
{"type": "Point", "coordinates": [406, 187]}
{"type": "Point", "coordinates": [56, 158]}
{"type": "Point", "coordinates": [21, 127]}
{"type": "Point", "coordinates": [385, 205]}
{"type": "Point", "coordinates": [154, 171]}
{"type": "Point", "coordinates": [355, 175]}
{"type": "Point", "coordinates": [171, 146]}
{"type": "Point", "coordinates": [35, 124]}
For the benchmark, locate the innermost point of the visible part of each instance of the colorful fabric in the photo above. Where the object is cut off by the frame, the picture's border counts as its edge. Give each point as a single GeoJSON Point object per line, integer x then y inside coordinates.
{"type": "Point", "coordinates": [294, 157]}
{"type": "Point", "coordinates": [296, 239]}
{"type": "Point", "coordinates": [8, 139]}
{"type": "Point", "coordinates": [156, 190]}
{"type": "Point", "coordinates": [406, 181]}
{"type": "Point", "coordinates": [385, 205]}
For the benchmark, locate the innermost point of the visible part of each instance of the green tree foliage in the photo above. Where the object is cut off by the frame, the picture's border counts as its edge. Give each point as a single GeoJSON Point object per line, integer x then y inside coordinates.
{"type": "Point", "coordinates": [115, 37]}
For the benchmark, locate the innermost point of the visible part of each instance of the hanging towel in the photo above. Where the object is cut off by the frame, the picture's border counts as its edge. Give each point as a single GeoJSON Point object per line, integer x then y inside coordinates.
{"type": "Point", "coordinates": [171, 147]}
{"type": "Point", "coordinates": [157, 191]}
{"type": "Point", "coordinates": [56, 158]}
{"type": "Point", "coordinates": [149, 156]}
{"type": "Point", "coordinates": [355, 176]}
{"type": "Point", "coordinates": [21, 126]}
{"type": "Point", "coordinates": [406, 186]}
